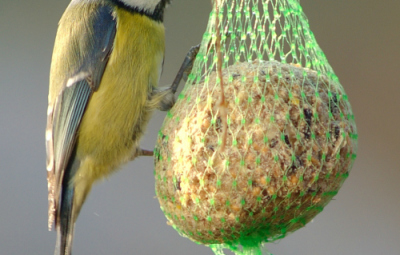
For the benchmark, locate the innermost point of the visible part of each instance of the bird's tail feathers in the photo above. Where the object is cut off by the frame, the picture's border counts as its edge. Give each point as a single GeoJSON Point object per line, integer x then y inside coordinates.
{"type": "Point", "coordinates": [66, 223]}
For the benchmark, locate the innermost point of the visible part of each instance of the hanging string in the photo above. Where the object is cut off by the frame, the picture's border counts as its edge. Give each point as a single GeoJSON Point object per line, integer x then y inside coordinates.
{"type": "Point", "coordinates": [222, 103]}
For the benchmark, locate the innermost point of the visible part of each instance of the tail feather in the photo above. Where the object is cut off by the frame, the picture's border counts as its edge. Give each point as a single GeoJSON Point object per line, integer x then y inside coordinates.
{"type": "Point", "coordinates": [66, 223]}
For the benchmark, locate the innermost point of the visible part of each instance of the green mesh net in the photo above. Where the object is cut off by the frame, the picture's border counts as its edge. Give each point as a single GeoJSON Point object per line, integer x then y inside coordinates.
{"type": "Point", "coordinates": [262, 136]}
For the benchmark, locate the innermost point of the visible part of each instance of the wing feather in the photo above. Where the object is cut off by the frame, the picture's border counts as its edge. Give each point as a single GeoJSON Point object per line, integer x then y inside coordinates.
{"type": "Point", "coordinates": [79, 59]}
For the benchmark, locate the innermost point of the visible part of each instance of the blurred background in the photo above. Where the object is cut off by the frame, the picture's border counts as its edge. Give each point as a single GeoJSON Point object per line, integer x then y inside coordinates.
{"type": "Point", "coordinates": [121, 216]}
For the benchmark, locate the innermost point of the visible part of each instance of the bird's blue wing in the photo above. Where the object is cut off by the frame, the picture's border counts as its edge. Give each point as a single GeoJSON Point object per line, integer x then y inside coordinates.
{"type": "Point", "coordinates": [90, 37]}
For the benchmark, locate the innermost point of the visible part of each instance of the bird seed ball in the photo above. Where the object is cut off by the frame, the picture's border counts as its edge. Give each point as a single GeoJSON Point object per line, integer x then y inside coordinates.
{"type": "Point", "coordinates": [290, 143]}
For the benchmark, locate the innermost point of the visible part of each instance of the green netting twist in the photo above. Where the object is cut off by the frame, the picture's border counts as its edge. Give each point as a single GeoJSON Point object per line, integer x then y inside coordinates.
{"type": "Point", "coordinates": [267, 161]}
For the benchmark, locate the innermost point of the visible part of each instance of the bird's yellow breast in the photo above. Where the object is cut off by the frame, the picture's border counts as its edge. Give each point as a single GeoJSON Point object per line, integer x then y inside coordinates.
{"type": "Point", "coordinates": [106, 134]}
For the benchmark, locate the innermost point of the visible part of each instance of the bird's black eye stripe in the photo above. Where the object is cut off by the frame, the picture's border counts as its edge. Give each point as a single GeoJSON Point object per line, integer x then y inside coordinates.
{"type": "Point", "coordinates": [156, 15]}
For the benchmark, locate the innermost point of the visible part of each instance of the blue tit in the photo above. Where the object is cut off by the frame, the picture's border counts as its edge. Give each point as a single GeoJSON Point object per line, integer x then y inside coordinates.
{"type": "Point", "coordinates": [104, 74]}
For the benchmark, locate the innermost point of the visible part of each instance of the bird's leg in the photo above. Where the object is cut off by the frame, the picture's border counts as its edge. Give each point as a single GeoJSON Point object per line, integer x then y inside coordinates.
{"type": "Point", "coordinates": [141, 152]}
{"type": "Point", "coordinates": [186, 67]}
{"type": "Point", "coordinates": [167, 99]}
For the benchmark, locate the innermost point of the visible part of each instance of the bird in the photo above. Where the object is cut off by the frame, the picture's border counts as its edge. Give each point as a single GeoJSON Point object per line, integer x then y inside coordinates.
{"type": "Point", "coordinates": [105, 69]}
